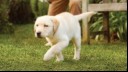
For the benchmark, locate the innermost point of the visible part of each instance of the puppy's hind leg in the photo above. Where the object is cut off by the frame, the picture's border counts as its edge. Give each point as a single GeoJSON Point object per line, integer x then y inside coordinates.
{"type": "Point", "coordinates": [77, 48]}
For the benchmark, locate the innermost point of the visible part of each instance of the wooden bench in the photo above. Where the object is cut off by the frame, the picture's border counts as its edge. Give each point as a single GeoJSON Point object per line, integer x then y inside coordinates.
{"type": "Point", "coordinates": [105, 6]}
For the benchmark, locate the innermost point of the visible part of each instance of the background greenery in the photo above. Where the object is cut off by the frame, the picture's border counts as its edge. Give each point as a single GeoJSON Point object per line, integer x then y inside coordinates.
{"type": "Point", "coordinates": [117, 24]}
{"type": "Point", "coordinates": [5, 25]}
{"type": "Point", "coordinates": [25, 11]}
{"type": "Point", "coordinates": [20, 50]}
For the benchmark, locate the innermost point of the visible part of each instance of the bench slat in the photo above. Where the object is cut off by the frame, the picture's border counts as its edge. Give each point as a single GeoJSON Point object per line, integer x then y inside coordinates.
{"type": "Point", "coordinates": [108, 7]}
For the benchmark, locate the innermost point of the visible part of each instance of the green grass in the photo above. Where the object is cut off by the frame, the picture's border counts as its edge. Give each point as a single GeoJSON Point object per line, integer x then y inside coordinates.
{"type": "Point", "coordinates": [22, 51]}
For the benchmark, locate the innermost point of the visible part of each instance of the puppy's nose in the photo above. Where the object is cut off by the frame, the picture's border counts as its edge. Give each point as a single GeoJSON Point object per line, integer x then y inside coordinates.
{"type": "Point", "coordinates": [39, 34]}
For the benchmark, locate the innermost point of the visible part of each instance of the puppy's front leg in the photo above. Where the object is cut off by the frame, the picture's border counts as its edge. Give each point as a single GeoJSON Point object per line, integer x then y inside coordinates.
{"type": "Point", "coordinates": [49, 42]}
{"type": "Point", "coordinates": [56, 50]}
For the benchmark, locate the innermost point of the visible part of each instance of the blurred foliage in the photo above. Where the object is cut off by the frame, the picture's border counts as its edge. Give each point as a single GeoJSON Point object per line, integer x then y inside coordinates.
{"type": "Point", "coordinates": [5, 25]}
{"type": "Point", "coordinates": [117, 24]}
{"type": "Point", "coordinates": [20, 11]}
{"type": "Point", "coordinates": [39, 8]}
{"type": "Point", "coordinates": [118, 20]}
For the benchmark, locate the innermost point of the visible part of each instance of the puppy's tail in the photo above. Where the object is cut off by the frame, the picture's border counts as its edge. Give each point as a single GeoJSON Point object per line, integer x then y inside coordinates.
{"type": "Point", "coordinates": [86, 15]}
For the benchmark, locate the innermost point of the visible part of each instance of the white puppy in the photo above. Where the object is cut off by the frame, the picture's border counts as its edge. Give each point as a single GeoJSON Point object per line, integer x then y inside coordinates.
{"type": "Point", "coordinates": [59, 30]}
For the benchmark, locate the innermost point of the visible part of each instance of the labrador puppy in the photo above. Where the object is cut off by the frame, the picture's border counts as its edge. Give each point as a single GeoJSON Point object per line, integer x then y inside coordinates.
{"type": "Point", "coordinates": [58, 31]}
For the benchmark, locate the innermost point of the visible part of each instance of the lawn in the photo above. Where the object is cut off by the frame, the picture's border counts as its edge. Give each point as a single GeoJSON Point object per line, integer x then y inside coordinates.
{"type": "Point", "coordinates": [21, 51]}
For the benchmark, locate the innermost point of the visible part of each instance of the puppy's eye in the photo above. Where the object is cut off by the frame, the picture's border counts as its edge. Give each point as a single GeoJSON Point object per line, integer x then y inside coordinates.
{"type": "Point", "coordinates": [45, 25]}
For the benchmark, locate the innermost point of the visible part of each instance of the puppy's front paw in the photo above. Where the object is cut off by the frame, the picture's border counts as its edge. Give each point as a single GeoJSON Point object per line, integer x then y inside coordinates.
{"type": "Point", "coordinates": [48, 55]}
{"type": "Point", "coordinates": [48, 44]}
{"type": "Point", "coordinates": [76, 58]}
{"type": "Point", "coordinates": [59, 60]}
{"type": "Point", "coordinates": [46, 58]}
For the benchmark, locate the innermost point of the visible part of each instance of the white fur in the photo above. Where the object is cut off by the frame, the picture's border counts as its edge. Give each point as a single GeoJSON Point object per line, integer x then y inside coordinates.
{"type": "Point", "coordinates": [68, 29]}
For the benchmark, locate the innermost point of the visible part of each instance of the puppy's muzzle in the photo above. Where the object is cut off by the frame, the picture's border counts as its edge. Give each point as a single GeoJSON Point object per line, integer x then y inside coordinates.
{"type": "Point", "coordinates": [39, 34]}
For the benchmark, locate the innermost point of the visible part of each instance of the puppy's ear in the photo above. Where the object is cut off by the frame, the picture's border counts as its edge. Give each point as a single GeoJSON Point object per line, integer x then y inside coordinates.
{"type": "Point", "coordinates": [55, 24]}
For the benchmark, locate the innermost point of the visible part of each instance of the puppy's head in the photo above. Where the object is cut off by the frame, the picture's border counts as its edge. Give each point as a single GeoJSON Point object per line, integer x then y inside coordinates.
{"type": "Point", "coordinates": [45, 26]}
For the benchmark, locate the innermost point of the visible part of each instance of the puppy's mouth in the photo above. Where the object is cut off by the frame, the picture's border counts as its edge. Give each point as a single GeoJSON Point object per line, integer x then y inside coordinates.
{"type": "Point", "coordinates": [39, 35]}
